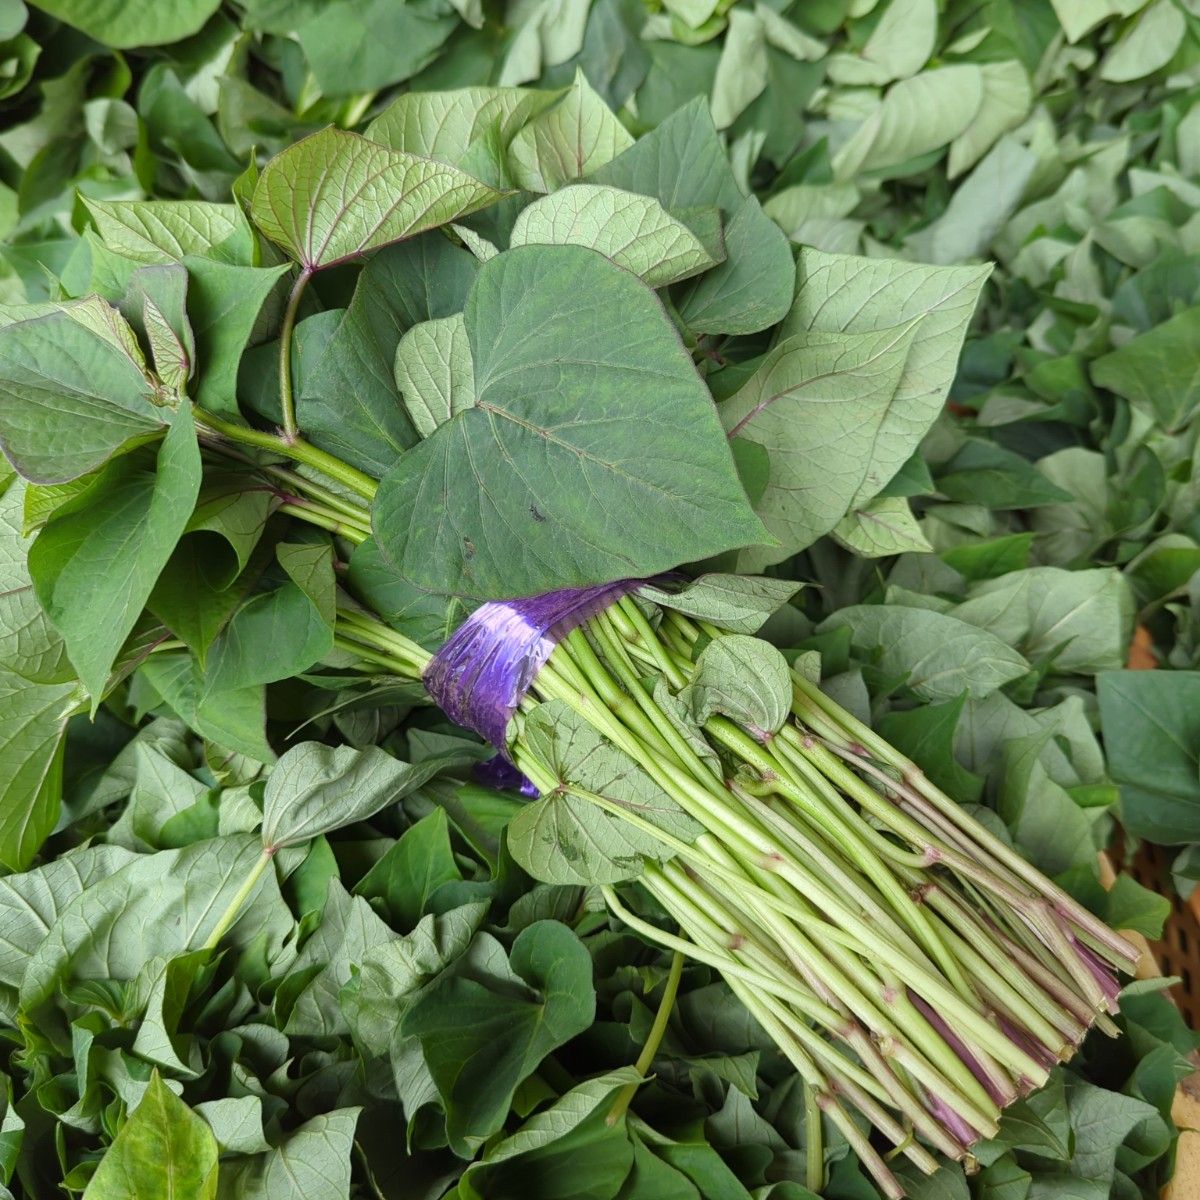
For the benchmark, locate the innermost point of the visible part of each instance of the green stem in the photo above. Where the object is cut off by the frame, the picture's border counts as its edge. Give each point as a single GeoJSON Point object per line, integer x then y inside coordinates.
{"type": "Point", "coordinates": [814, 1153]}
{"type": "Point", "coordinates": [297, 450]}
{"type": "Point", "coordinates": [301, 485]}
{"type": "Point", "coordinates": [287, 399]}
{"type": "Point", "coordinates": [234, 910]}
{"type": "Point", "coordinates": [315, 514]}
{"type": "Point", "coordinates": [356, 107]}
{"type": "Point", "coordinates": [653, 1041]}
{"type": "Point", "coordinates": [1116, 947]}
{"type": "Point", "coordinates": [381, 658]}
{"type": "Point", "coordinates": [408, 654]}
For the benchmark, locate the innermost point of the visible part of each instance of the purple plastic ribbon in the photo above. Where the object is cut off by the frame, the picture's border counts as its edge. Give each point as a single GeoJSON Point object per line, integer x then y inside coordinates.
{"type": "Point", "coordinates": [479, 677]}
{"type": "Point", "coordinates": [501, 776]}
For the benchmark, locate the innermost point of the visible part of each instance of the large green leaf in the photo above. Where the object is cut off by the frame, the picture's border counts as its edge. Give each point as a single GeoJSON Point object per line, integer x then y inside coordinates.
{"type": "Point", "coordinates": [844, 293]}
{"type": "Point", "coordinates": [408, 875]}
{"type": "Point", "coordinates": [335, 196]}
{"type": "Point", "coordinates": [224, 303]}
{"type": "Point", "coordinates": [313, 1161]}
{"type": "Point", "coordinates": [681, 162]}
{"type": "Point", "coordinates": [1007, 97]}
{"type": "Point", "coordinates": [916, 116]}
{"type": "Point", "coordinates": [348, 932]}
{"type": "Point", "coordinates": [595, 1156]}
{"type": "Point", "coordinates": [578, 462]}
{"type": "Point", "coordinates": [391, 974]}
{"type": "Point", "coordinates": [435, 372]}
{"type": "Point", "coordinates": [127, 23]}
{"type": "Point", "coordinates": [481, 1036]}
{"type": "Point", "coordinates": [900, 45]}
{"type": "Point", "coordinates": [1081, 621]}
{"type": "Point", "coordinates": [158, 905]}
{"type": "Point", "coordinates": [568, 141]}
{"type": "Point", "coordinates": [95, 565]}
{"type": "Point", "coordinates": [818, 405]}
{"type": "Point", "coordinates": [163, 1150]}
{"type": "Point", "coordinates": [356, 46]}
{"type": "Point", "coordinates": [750, 290]}
{"type": "Point", "coordinates": [69, 398]}
{"type": "Point", "coordinates": [741, 73]}
{"type": "Point", "coordinates": [980, 472]}
{"type": "Point", "coordinates": [1147, 45]}
{"type": "Point", "coordinates": [234, 720]}
{"type": "Point", "coordinates": [282, 632]}
{"type": "Point", "coordinates": [1151, 725]}
{"type": "Point", "coordinates": [31, 901]}
{"type": "Point", "coordinates": [446, 125]}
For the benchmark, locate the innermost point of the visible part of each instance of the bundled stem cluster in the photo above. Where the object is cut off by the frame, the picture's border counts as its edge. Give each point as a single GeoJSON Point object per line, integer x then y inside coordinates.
{"type": "Point", "coordinates": [913, 967]}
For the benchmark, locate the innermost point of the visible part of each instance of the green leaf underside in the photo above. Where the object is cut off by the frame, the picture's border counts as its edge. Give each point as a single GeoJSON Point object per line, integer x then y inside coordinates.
{"type": "Point", "coordinates": [634, 231]}
{"type": "Point", "coordinates": [435, 372]}
{"type": "Point", "coordinates": [838, 293]}
{"type": "Point", "coordinates": [819, 405]}
{"type": "Point", "coordinates": [939, 656]}
{"type": "Point", "coordinates": [568, 838]}
{"type": "Point", "coordinates": [314, 789]}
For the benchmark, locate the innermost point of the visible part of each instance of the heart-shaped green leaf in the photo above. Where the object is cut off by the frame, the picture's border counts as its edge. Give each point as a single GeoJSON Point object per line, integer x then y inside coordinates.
{"type": "Point", "coordinates": [335, 196]}
{"type": "Point", "coordinates": [577, 463]}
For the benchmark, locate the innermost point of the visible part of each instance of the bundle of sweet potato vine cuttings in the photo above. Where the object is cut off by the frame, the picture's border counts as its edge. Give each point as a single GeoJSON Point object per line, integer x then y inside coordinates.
{"type": "Point", "coordinates": [603, 391]}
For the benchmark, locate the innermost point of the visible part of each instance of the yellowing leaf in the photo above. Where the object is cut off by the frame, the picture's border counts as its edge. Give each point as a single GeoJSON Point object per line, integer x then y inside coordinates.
{"type": "Point", "coordinates": [163, 1150]}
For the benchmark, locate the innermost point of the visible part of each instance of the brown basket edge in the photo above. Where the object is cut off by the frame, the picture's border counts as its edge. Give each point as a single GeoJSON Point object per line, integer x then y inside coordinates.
{"type": "Point", "coordinates": [1185, 1181]}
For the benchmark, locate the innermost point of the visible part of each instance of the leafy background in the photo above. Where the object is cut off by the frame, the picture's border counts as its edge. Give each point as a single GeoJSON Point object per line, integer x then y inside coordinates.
{"type": "Point", "coordinates": [980, 609]}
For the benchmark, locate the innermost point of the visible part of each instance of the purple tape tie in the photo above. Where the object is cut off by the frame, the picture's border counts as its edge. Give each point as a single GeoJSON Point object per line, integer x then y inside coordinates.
{"type": "Point", "coordinates": [501, 776]}
{"type": "Point", "coordinates": [479, 677]}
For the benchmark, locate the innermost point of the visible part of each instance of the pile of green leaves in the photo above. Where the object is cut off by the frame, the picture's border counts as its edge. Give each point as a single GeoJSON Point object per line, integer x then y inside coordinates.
{"type": "Point", "coordinates": [978, 572]}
